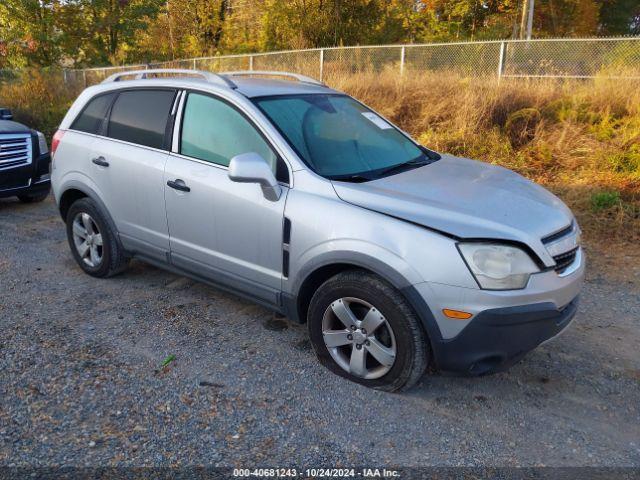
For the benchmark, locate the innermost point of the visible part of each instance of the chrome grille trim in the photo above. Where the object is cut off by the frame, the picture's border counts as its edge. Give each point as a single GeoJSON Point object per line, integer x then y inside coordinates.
{"type": "Point", "coordinates": [16, 150]}
{"type": "Point", "coordinates": [559, 234]}
{"type": "Point", "coordinates": [570, 267]}
{"type": "Point", "coordinates": [565, 243]}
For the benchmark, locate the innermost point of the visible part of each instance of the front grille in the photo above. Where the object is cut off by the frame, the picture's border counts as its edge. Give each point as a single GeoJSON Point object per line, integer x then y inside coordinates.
{"type": "Point", "coordinates": [564, 260]}
{"type": "Point", "coordinates": [15, 150]}
{"type": "Point", "coordinates": [558, 235]}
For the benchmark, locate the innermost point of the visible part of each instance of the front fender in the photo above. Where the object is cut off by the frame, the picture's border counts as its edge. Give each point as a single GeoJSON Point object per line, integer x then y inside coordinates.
{"type": "Point", "coordinates": [358, 253]}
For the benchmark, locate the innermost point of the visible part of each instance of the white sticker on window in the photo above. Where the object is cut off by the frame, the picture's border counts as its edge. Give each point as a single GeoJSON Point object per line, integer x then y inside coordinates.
{"type": "Point", "coordinates": [379, 122]}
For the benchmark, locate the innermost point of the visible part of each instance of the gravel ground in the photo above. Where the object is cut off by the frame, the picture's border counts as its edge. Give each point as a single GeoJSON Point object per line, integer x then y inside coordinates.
{"type": "Point", "coordinates": [81, 382]}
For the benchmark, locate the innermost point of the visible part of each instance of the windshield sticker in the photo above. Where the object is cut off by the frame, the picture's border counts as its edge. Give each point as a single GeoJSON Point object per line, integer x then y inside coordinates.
{"type": "Point", "coordinates": [379, 122]}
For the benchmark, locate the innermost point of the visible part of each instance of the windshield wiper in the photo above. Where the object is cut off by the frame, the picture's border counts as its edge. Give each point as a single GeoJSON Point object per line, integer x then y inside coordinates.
{"type": "Point", "coordinates": [356, 178]}
{"type": "Point", "coordinates": [404, 166]}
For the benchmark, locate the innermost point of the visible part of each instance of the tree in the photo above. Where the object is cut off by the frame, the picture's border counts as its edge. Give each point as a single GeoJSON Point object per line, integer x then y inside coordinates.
{"type": "Point", "coordinates": [113, 24]}
{"type": "Point", "coordinates": [98, 32]}
{"type": "Point", "coordinates": [29, 33]}
{"type": "Point", "coordinates": [319, 23]}
{"type": "Point", "coordinates": [620, 17]}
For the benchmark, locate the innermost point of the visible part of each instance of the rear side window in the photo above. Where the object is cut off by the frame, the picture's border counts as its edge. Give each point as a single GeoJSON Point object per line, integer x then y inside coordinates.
{"type": "Point", "coordinates": [140, 116]}
{"type": "Point", "coordinates": [91, 118]}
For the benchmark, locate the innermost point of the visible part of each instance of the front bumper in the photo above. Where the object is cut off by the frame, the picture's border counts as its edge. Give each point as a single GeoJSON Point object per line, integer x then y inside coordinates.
{"type": "Point", "coordinates": [500, 337]}
{"type": "Point", "coordinates": [32, 188]}
{"type": "Point", "coordinates": [505, 324]}
{"type": "Point", "coordinates": [31, 179]}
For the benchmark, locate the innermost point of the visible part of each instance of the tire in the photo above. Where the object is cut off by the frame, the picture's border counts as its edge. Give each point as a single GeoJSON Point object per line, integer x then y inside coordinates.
{"type": "Point", "coordinates": [372, 301]}
{"type": "Point", "coordinates": [110, 258]}
{"type": "Point", "coordinates": [36, 198]}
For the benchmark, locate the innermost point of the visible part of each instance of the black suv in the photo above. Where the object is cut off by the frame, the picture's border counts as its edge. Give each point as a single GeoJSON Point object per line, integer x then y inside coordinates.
{"type": "Point", "coordinates": [24, 161]}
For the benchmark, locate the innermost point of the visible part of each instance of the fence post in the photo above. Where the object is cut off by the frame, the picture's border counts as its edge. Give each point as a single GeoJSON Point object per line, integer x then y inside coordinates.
{"type": "Point", "coordinates": [251, 62]}
{"type": "Point", "coordinates": [402, 52]}
{"type": "Point", "coordinates": [84, 77]}
{"type": "Point", "coordinates": [503, 46]}
{"type": "Point", "coordinates": [321, 64]}
{"type": "Point", "coordinates": [194, 64]}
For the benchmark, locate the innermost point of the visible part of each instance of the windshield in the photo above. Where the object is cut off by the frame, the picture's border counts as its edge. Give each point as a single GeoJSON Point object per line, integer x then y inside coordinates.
{"type": "Point", "coordinates": [339, 138]}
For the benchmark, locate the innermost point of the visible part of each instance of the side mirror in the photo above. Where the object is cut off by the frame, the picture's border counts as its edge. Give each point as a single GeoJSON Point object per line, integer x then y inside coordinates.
{"type": "Point", "coordinates": [252, 168]}
{"type": "Point", "coordinates": [5, 114]}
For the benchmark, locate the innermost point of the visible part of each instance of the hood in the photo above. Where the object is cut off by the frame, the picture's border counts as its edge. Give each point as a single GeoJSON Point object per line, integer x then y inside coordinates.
{"type": "Point", "coordinates": [9, 126]}
{"type": "Point", "coordinates": [467, 199]}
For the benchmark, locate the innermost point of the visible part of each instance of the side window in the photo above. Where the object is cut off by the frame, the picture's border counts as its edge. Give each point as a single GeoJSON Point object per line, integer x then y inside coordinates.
{"type": "Point", "coordinates": [91, 118]}
{"type": "Point", "coordinates": [140, 116]}
{"type": "Point", "coordinates": [214, 131]}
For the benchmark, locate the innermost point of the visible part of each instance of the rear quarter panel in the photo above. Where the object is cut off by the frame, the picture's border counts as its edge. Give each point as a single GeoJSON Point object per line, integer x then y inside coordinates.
{"type": "Point", "coordinates": [71, 164]}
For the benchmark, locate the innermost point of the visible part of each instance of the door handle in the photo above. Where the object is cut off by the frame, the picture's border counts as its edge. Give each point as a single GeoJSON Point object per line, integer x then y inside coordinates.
{"type": "Point", "coordinates": [178, 184]}
{"type": "Point", "coordinates": [100, 161]}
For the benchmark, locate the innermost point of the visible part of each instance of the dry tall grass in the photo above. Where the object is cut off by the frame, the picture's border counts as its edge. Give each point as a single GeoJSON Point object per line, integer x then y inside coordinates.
{"type": "Point", "coordinates": [38, 100]}
{"type": "Point", "coordinates": [581, 139]}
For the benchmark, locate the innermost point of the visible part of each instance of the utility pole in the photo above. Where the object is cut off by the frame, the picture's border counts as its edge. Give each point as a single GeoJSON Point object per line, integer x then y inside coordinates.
{"type": "Point", "coordinates": [170, 30]}
{"type": "Point", "coordinates": [530, 19]}
{"type": "Point", "coordinates": [526, 24]}
{"type": "Point", "coordinates": [523, 21]}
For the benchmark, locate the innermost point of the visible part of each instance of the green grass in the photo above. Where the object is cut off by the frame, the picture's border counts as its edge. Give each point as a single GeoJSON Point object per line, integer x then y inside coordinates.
{"type": "Point", "coordinates": [604, 200]}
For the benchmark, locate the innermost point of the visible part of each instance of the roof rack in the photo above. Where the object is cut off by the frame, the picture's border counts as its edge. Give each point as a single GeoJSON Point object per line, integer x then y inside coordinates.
{"type": "Point", "coordinates": [141, 74]}
{"type": "Point", "coordinates": [297, 76]}
{"type": "Point", "coordinates": [218, 78]}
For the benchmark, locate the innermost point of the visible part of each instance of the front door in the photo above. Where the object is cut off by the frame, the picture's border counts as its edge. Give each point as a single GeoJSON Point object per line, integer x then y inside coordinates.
{"type": "Point", "coordinates": [220, 229]}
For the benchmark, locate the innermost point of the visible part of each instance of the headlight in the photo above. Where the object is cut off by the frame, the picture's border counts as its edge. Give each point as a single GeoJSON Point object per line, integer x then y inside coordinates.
{"type": "Point", "coordinates": [498, 267]}
{"type": "Point", "coordinates": [42, 143]}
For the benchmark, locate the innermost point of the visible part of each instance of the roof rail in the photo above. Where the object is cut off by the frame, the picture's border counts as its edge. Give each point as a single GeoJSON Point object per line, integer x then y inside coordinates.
{"type": "Point", "coordinates": [297, 76]}
{"type": "Point", "coordinates": [141, 74]}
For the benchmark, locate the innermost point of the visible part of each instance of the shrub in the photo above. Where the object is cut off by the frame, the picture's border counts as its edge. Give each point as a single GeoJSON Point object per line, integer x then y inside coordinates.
{"type": "Point", "coordinates": [521, 126]}
{"type": "Point", "coordinates": [38, 99]}
{"type": "Point", "coordinates": [605, 200]}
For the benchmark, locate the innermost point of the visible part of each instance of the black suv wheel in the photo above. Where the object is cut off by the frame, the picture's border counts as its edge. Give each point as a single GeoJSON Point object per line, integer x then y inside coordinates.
{"type": "Point", "coordinates": [38, 197]}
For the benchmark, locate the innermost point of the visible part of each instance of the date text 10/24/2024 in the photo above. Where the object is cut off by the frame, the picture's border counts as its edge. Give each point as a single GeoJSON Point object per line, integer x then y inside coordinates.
{"type": "Point", "coordinates": [316, 472]}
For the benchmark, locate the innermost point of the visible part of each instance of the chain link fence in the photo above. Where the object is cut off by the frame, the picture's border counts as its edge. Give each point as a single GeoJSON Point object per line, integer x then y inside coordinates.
{"type": "Point", "coordinates": [544, 58]}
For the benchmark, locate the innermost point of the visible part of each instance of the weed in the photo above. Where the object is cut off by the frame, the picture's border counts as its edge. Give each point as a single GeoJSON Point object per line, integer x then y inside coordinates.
{"type": "Point", "coordinates": [604, 200]}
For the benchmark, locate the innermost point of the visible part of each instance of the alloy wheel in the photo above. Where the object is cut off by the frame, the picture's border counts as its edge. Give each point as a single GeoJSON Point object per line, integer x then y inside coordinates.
{"type": "Point", "coordinates": [359, 338]}
{"type": "Point", "coordinates": [87, 239]}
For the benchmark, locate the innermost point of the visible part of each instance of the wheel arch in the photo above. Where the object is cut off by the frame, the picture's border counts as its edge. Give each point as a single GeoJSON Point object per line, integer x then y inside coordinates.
{"type": "Point", "coordinates": [391, 268]}
{"type": "Point", "coordinates": [67, 199]}
{"type": "Point", "coordinates": [298, 305]}
{"type": "Point", "coordinates": [74, 191]}
{"type": "Point", "coordinates": [316, 272]}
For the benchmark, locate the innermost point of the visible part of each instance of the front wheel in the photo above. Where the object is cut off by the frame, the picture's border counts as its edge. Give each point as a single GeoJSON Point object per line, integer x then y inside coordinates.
{"type": "Point", "coordinates": [363, 329]}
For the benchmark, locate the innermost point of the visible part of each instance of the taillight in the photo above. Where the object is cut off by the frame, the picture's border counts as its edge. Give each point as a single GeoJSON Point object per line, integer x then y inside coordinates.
{"type": "Point", "coordinates": [56, 141]}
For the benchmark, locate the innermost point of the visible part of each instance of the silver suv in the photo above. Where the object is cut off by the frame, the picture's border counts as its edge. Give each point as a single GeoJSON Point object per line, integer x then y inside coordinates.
{"type": "Point", "coordinates": [304, 200]}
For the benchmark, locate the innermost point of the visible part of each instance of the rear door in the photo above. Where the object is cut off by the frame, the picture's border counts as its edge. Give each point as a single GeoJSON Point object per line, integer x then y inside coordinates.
{"type": "Point", "coordinates": [129, 161]}
{"type": "Point", "coordinates": [77, 146]}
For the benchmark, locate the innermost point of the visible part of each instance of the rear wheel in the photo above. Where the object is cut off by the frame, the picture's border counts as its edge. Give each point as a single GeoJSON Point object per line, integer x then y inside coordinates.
{"type": "Point", "coordinates": [93, 242]}
{"type": "Point", "coordinates": [363, 329]}
{"type": "Point", "coordinates": [35, 198]}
